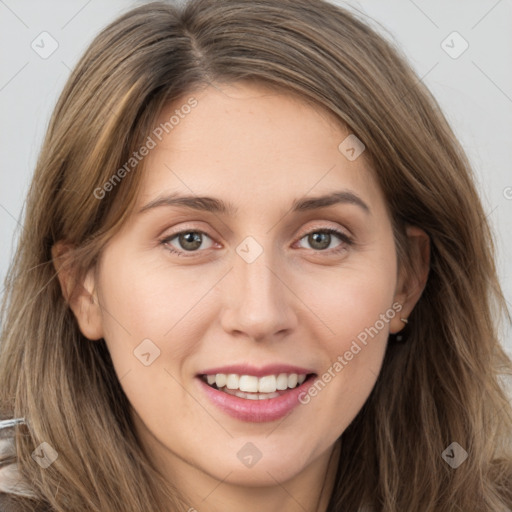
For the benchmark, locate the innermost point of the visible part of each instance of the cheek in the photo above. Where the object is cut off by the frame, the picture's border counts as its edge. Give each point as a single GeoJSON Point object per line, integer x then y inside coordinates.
{"type": "Point", "coordinates": [355, 298]}
{"type": "Point", "coordinates": [358, 315]}
{"type": "Point", "coordinates": [143, 311]}
{"type": "Point", "coordinates": [146, 296]}
{"type": "Point", "coordinates": [355, 303]}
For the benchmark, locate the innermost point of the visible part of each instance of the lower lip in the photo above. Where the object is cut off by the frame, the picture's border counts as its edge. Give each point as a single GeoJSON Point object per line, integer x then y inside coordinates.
{"type": "Point", "coordinates": [256, 411]}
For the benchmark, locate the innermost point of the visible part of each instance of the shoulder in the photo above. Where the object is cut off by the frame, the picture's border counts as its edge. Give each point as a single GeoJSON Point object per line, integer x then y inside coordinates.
{"type": "Point", "coordinates": [11, 483]}
{"type": "Point", "coordinates": [8, 504]}
{"type": "Point", "coordinates": [15, 503]}
{"type": "Point", "coordinates": [15, 494]}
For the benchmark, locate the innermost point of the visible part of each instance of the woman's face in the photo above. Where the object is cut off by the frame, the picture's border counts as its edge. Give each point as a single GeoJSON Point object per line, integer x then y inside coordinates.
{"type": "Point", "coordinates": [255, 288]}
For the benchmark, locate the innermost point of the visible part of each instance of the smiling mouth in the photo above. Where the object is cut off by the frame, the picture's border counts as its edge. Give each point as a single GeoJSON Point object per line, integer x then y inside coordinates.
{"type": "Point", "coordinates": [256, 388]}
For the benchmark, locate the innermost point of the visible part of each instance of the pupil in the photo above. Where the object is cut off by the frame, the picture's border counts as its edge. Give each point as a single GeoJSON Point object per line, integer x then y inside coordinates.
{"type": "Point", "coordinates": [317, 237]}
{"type": "Point", "coordinates": [192, 238]}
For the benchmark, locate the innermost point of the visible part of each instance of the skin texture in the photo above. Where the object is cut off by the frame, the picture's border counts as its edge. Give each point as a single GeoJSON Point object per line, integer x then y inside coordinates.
{"type": "Point", "coordinates": [294, 304]}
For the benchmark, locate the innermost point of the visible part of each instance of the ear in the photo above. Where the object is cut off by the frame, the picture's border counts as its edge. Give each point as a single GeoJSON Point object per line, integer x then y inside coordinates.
{"type": "Point", "coordinates": [410, 287]}
{"type": "Point", "coordinates": [80, 295]}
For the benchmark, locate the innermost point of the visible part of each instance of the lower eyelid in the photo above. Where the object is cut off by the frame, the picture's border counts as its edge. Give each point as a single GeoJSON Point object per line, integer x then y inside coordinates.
{"type": "Point", "coordinates": [167, 240]}
{"type": "Point", "coordinates": [344, 239]}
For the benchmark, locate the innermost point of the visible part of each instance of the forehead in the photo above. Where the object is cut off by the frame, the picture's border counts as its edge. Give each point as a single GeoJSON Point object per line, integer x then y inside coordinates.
{"type": "Point", "coordinates": [251, 145]}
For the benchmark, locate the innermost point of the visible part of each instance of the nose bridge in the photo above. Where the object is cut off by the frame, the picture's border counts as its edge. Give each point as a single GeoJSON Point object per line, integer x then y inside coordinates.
{"type": "Point", "coordinates": [258, 302]}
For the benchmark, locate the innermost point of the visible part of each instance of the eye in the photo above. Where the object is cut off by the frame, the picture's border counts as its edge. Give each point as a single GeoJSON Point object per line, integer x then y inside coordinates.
{"type": "Point", "coordinates": [320, 239]}
{"type": "Point", "coordinates": [189, 241]}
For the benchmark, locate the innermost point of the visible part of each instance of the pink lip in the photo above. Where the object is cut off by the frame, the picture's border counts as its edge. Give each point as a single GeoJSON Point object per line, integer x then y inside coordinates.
{"type": "Point", "coordinates": [256, 411]}
{"type": "Point", "coordinates": [245, 369]}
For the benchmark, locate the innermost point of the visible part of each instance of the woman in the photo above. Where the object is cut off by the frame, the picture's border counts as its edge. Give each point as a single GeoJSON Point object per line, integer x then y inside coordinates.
{"type": "Point", "coordinates": [255, 274]}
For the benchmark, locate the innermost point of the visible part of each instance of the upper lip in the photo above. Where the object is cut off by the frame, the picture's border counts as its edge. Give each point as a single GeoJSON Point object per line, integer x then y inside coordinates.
{"type": "Point", "coordinates": [246, 369]}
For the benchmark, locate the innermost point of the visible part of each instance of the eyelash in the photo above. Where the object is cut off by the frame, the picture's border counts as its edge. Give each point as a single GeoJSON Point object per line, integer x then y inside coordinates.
{"type": "Point", "coordinates": [342, 236]}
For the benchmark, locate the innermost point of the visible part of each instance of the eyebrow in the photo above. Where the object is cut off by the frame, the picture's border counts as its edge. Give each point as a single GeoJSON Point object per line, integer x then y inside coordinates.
{"type": "Point", "coordinates": [214, 205]}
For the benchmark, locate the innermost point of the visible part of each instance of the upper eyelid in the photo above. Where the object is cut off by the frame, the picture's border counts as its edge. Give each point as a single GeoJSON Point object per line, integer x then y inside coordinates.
{"type": "Point", "coordinates": [313, 229]}
{"type": "Point", "coordinates": [343, 230]}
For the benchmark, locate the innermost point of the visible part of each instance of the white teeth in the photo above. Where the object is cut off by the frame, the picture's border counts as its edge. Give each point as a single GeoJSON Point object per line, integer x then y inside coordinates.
{"type": "Point", "coordinates": [232, 381]}
{"type": "Point", "coordinates": [248, 383]}
{"type": "Point", "coordinates": [282, 381]}
{"type": "Point", "coordinates": [267, 384]}
{"type": "Point", "coordinates": [251, 396]}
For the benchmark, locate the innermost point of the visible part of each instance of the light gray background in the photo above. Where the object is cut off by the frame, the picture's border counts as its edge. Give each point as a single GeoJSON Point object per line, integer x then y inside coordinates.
{"type": "Point", "coordinates": [474, 89]}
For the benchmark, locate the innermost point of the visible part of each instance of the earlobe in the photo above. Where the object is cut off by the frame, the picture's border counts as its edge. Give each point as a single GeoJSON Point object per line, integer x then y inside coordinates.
{"type": "Point", "coordinates": [80, 295]}
{"type": "Point", "coordinates": [410, 287]}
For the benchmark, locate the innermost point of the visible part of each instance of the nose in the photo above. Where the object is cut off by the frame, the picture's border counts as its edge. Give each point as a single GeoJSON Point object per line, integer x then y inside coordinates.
{"type": "Point", "coordinates": [258, 303]}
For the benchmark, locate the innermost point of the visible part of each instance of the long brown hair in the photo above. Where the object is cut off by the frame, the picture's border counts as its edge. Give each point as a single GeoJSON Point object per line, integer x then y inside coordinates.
{"type": "Point", "coordinates": [441, 386]}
